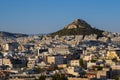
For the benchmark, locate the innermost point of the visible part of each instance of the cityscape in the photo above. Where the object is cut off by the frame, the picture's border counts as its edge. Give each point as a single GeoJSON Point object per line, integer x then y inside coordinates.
{"type": "Point", "coordinates": [76, 51]}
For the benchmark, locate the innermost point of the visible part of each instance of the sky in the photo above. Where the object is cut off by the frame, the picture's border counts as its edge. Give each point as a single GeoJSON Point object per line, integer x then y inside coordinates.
{"type": "Point", "coordinates": [46, 16]}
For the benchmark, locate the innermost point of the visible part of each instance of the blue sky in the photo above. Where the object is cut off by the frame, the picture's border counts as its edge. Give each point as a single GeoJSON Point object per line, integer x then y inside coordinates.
{"type": "Point", "coordinates": [45, 16]}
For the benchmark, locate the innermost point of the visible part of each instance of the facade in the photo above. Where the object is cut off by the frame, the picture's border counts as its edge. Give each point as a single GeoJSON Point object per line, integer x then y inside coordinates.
{"type": "Point", "coordinates": [62, 66]}
{"type": "Point", "coordinates": [31, 63]}
{"type": "Point", "coordinates": [73, 71]}
{"type": "Point", "coordinates": [90, 64]}
{"type": "Point", "coordinates": [55, 59]}
{"type": "Point", "coordinates": [113, 54]}
{"type": "Point", "coordinates": [6, 62]}
{"type": "Point", "coordinates": [5, 47]}
{"type": "Point", "coordinates": [74, 63]}
{"type": "Point", "coordinates": [61, 50]}
{"type": "Point", "coordinates": [115, 70]}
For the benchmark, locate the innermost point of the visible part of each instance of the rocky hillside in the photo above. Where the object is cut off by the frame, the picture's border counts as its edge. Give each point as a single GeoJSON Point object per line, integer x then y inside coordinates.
{"type": "Point", "coordinates": [78, 27]}
{"type": "Point", "coordinates": [11, 35]}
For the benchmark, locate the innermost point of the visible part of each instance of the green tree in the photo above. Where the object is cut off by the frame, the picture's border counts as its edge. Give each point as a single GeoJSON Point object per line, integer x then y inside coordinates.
{"type": "Point", "coordinates": [81, 62]}
{"type": "Point", "coordinates": [39, 70]}
{"type": "Point", "coordinates": [93, 60]}
{"type": "Point", "coordinates": [99, 68]}
{"type": "Point", "coordinates": [58, 77]}
{"type": "Point", "coordinates": [42, 77]}
{"type": "Point", "coordinates": [116, 77]}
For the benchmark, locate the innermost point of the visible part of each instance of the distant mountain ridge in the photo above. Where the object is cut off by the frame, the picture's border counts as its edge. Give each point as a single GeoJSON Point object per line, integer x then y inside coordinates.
{"type": "Point", "coordinates": [12, 35]}
{"type": "Point", "coordinates": [78, 27]}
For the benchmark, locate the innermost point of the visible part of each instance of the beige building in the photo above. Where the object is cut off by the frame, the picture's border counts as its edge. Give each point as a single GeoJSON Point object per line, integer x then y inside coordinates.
{"type": "Point", "coordinates": [110, 62]}
{"type": "Point", "coordinates": [5, 47]}
{"type": "Point", "coordinates": [42, 64]}
{"type": "Point", "coordinates": [62, 66]}
{"type": "Point", "coordinates": [55, 59]}
{"type": "Point", "coordinates": [31, 63]}
{"type": "Point", "coordinates": [90, 64]}
{"type": "Point", "coordinates": [73, 70]}
{"type": "Point", "coordinates": [72, 43]}
{"type": "Point", "coordinates": [113, 54]}
{"type": "Point", "coordinates": [60, 50]}
{"type": "Point", "coordinates": [74, 63]}
{"type": "Point", "coordinates": [103, 39]}
{"type": "Point", "coordinates": [5, 61]}
{"type": "Point", "coordinates": [21, 48]}
{"type": "Point", "coordinates": [90, 37]}
{"type": "Point", "coordinates": [88, 57]}
{"type": "Point", "coordinates": [102, 74]}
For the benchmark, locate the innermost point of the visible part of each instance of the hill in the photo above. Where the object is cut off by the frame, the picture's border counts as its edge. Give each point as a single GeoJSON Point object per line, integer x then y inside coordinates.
{"type": "Point", "coordinates": [11, 35]}
{"type": "Point", "coordinates": [78, 27]}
